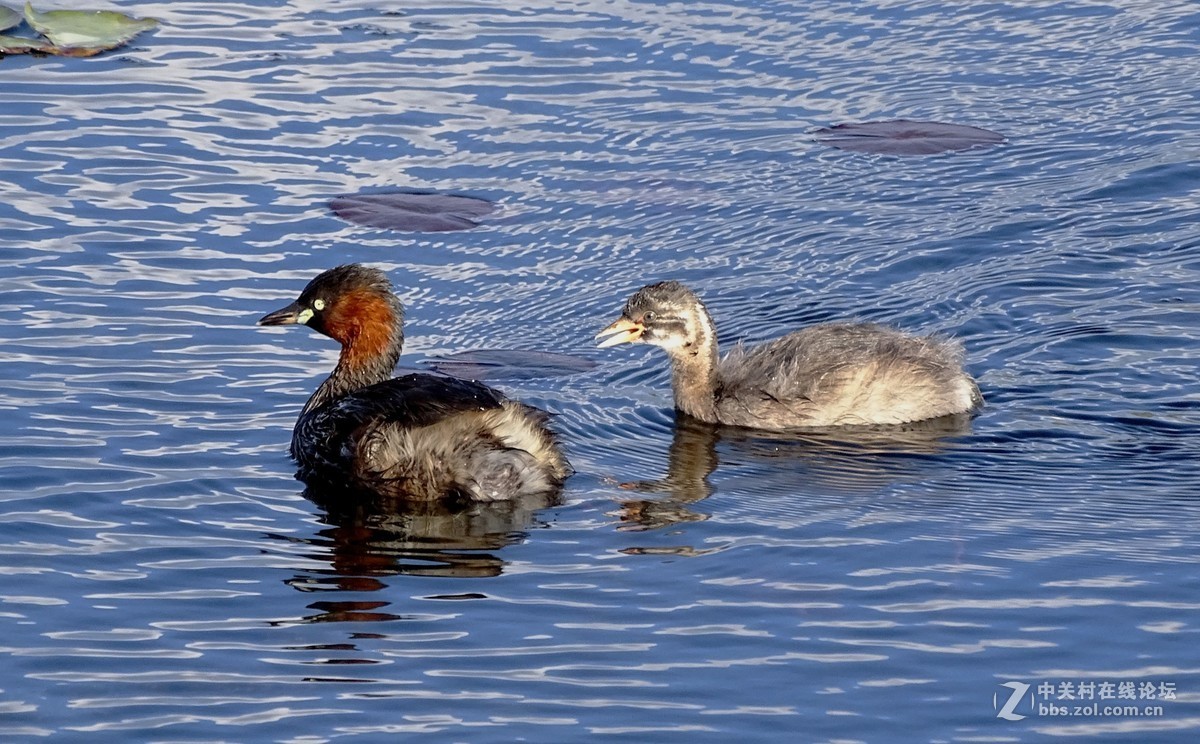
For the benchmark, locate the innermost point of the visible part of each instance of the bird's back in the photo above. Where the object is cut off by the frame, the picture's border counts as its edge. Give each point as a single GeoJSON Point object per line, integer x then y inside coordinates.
{"type": "Point", "coordinates": [844, 374]}
{"type": "Point", "coordinates": [427, 437]}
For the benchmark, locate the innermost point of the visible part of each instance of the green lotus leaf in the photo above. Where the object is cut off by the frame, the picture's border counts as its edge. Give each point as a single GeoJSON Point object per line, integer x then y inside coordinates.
{"type": "Point", "coordinates": [23, 45]}
{"type": "Point", "coordinates": [9, 18]}
{"type": "Point", "coordinates": [86, 32]}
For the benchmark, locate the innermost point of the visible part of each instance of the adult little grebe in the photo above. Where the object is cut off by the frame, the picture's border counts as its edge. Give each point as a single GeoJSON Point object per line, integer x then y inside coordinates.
{"type": "Point", "coordinates": [833, 374]}
{"type": "Point", "coordinates": [418, 436]}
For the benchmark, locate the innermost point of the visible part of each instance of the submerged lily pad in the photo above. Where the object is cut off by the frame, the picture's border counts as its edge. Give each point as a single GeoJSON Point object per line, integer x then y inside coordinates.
{"type": "Point", "coordinates": [904, 137]}
{"type": "Point", "coordinates": [509, 364]}
{"type": "Point", "coordinates": [71, 33]}
{"type": "Point", "coordinates": [421, 211]}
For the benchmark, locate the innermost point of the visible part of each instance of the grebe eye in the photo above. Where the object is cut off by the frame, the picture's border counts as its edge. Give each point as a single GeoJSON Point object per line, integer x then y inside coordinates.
{"type": "Point", "coordinates": [318, 304]}
{"type": "Point", "coordinates": [648, 317]}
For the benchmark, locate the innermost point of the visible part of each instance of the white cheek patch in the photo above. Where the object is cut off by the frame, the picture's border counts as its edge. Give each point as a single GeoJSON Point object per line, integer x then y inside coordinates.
{"type": "Point", "coordinates": [670, 342]}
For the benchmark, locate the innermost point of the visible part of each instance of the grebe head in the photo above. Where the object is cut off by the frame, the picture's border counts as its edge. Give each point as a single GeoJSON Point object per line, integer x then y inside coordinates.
{"type": "Point", "coordinates": [355, 306]}
{"type": "Point", "coordinates": [666, 314]}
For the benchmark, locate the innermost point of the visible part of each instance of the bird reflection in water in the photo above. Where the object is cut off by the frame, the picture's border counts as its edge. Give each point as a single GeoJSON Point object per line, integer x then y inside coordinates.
{"type": "Point", "coordinates": [843, 459]}
{"type": "Point", "coordinates": [690, 461]}
{"type": "Point", "coordinates": [366, 542]}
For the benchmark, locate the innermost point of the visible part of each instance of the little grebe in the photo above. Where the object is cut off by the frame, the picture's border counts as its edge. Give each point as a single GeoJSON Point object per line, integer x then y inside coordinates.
{"type": "Point", "coordinates": [419, 436]}
{"type": "Point", "coordinates": [834, 374]}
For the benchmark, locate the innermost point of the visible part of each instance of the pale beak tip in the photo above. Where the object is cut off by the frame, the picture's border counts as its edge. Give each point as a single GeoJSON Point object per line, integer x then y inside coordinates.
{"type": "Point", "coordinates": [623, 331]}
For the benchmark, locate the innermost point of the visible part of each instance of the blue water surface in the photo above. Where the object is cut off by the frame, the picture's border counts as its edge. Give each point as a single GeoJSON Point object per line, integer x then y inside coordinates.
{"type": "Point", "coordinates": [163, 578]}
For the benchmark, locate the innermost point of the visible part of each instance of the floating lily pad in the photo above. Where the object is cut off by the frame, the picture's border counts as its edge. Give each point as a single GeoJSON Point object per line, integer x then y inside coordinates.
{"type": "Point", "coordinates": [96, 30]}
{"type": "Point", "coordinates": [412, 211]}
{"type": "Point", "coordinates": [509, 364]}
{"type": "Point", "coordinates": [9, 18]}
{"type": "Point", "coordinates": [71, 33]}
{"type": "Point", "coordinates": [903, 137]}
{"type": "Point", "coordinates": [22, 45]}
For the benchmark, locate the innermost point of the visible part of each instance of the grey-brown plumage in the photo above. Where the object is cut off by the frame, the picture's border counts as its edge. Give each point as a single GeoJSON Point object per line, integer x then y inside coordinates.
{"type": "Point", "coordinates": [835, 374]}
{"type": "Point", "coordinates": [418, 436]}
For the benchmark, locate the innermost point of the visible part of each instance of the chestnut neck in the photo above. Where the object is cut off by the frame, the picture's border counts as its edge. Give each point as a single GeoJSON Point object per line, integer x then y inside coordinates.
{"type": "Point", "coordinates": [370, 329]}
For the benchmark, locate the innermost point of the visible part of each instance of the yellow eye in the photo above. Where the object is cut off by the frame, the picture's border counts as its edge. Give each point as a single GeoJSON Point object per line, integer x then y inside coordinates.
{"type": "Point", "coordinates": [318, 304]}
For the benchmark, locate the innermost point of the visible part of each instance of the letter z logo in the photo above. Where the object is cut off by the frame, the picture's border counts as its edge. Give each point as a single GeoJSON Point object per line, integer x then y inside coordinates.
{"type": "Point", "coordinates": [1007, 711]}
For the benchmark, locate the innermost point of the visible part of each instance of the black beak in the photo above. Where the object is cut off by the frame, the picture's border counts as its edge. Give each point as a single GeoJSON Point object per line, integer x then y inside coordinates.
{"type": "Point", "coordinates": [289, 315]}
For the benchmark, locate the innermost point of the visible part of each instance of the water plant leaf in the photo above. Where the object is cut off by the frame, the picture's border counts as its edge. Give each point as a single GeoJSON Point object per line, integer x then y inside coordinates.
{"type": "Point", "coordinates": [904, 137]}
{"type": "Point", "coordinates": [82, 33]}
{"type": "Point", "coordinates": [23, 45]}
{"type": "Point", "coordinates": [417, 211]}
{"type": "Point", "coordinates": [508, 364]}
{"type": "Point", "coordinates": [9, 18]}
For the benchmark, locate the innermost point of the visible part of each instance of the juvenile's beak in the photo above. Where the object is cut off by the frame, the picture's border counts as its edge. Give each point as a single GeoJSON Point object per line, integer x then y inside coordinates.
{"type": "Point", "coordinates": [290, 315]}
{"type": "Point", "coordinates": [624, 331]}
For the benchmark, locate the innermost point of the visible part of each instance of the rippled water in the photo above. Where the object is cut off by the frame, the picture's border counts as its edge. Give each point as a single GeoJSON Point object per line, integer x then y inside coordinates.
{"type": "Point", "coordinates": [164, 578]}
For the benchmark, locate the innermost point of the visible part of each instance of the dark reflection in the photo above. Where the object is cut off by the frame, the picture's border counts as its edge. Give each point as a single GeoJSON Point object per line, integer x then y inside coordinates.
{"type": "Point", "coordinates": [854, 459]}
{"type": "Point", "coordinates": [365, 541]}
{"type": "Point", "coordinates": [691, 459]}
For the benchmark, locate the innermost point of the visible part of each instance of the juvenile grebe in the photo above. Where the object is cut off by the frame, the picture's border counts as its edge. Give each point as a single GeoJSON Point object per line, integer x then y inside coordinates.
{"type": "Point", "coordinates": [418, 436]}
{"type": "Point", "coordinates": [834, 374]}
